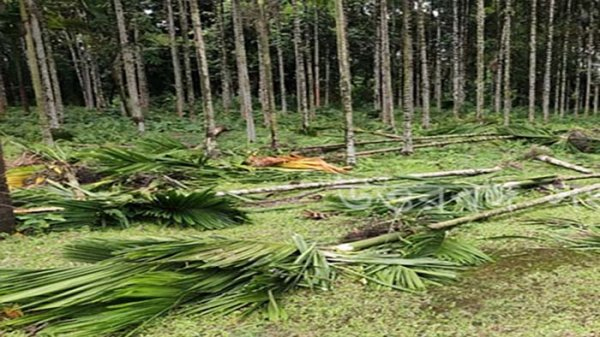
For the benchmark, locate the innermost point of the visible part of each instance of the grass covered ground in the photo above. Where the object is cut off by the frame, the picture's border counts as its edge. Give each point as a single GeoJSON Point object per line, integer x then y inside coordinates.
{"type": "Point", "coordinates": [532, 288]}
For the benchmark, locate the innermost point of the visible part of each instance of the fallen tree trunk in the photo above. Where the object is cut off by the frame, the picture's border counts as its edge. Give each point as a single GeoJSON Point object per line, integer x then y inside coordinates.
{"type": "Point", "coordinates": [397, 137]}
{"type": "Point", "coordinates": [311, 185]}
{"type": "Point", "coordinates": [396, 236]}
{"type": "Point", "coordinates": [436, 144]}
{"type": "Point", "coordinates": [561, 163]}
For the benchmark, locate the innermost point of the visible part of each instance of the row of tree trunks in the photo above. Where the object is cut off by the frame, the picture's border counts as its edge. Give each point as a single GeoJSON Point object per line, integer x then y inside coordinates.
{"type": "Point", "coordinates": [34, 67]}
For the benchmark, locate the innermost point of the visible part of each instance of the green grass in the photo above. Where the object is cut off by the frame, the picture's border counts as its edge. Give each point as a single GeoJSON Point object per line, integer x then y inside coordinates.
{"type": "Point", "coordinates": [531, 289]}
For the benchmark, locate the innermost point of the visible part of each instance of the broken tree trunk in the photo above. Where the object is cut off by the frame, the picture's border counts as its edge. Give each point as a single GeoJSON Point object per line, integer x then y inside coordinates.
{"type": "Point", "coordinates": [305, 186]}
{"type": "Point", "coordinates": [561, 163]}
{"type": "Point", "coordinates": [435, 144]}
{"type": "Point", "coordinates": [396, 236]}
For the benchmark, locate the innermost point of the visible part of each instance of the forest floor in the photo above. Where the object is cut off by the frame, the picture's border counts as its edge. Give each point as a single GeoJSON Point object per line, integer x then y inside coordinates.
{"type": "Point", "coordinates": [531, 289]}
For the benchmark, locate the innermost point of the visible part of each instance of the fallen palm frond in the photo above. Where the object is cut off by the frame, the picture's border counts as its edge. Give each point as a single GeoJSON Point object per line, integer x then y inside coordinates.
{"type": "Point", "coordinates": [444, 225]}
{"type": "Point", "coordinates": [295, 162]}
{"type": "Point", "coordinates": [202, 210]}
{"type": "Point", "coordinates": [131, 282]}
{"type": "Point", "coordinates": [19, 177]}
{"type": "Point", "coordinates": [358, 181]}
{"type": "Point", "coordinates": [572, 234]}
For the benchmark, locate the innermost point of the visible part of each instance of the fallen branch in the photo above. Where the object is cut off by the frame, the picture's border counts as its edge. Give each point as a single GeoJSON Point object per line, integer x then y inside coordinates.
{"type": "Point", "coordinates": [311, 185]}
{"type": "Point", "coordinates": [434, 144]}
{"type": "Point", "coordinates": [22, 211]}
{"type": "Point", "coordinates": [561, 163]}
{"type": "Point", "coordinates": [396, 236]}
{"type": "Point", "coordinates": [397, 137]}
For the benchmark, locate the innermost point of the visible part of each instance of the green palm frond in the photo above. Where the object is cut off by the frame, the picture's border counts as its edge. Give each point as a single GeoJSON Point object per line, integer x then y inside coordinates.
{"type": "Point", "coordinates": [198, 209]}
{"type": "Point", "coordinates": [131, 282]}
{"type": "Point", "coordinates": [570, 233]}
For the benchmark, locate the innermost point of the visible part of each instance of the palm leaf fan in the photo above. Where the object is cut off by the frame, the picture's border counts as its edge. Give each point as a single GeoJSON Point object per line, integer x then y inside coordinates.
{"type": "Point", "coordinates": [202, 210]}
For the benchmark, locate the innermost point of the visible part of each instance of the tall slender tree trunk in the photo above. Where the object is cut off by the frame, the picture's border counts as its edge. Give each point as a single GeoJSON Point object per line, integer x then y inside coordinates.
{"type": "Point", "coordinates": [57, 93]}
{"type": "Point", "coordinates": [302, 100]}
{"type": "Point", "coordinates": [480, 99]}
{"type": "Point", "coordinates": [262, 83]}
{"type": "Point", "coordinates": [179, 92]}
{"type": "Point", "coordinates": [438, 65]}
{"type": "Point", "coordinates": [36, 78]}
{"type": "Point", "coordinates": [563, 106]}
{"type": "Point", "coordinates": [387, 97]}
{"type": "Point", "coordinates": [310, 76]}
{"type": "Point", "coordinates": [36, 33]}
{"type": "Point", "coordinates": [79, 69]}
{"type": "Point", "coordinates": [129, 65]}
{"type": "Point", "coordinates": [225, 73]}
{"type": "Point", "coordinates": [577, 93]}
{"type": "Point", "coordinates": [187, 58]}
{"type": "Point", "coordinates": [24, 100]}
{"type": "Point", "coordinates": [456, 60]}
{"type": "Point", "coordinates": [345, 80]}
{"type": "Point", "coordinates": [317, 61]}
{"type": "Point", "coordinates": [507, 62]}
{"type": "Point", "coordinates": [265, 56]}
{"type": "Point", "coordinates": [7, 216]}
{"type": "Point", "coordinates": [97, 82]}
{"type": "Point", "coordinates": [408, 105]}
{"type": "Point", "coordinates": [425, 85]}
{"type": "Point", "coordinates": [207, 103]}
{"type": "Point", "coordinates": [3, 97]}
{"type": "Point", "coordinates": [377, 99]}
{"type": "Point", "coordinates": [596, 98]}
{"type": "Point", "coordinates": [532, 59]}
{"type": "Point", "coordinates": [327, 77]}
{"type": "Point", "coordinates": [280, 63]}
{"type": "Point", "coordinates": [589, 61]}
{"type": "Point", "coordinates": [548, 69]}
{"type": "Point", "coordinates": [141, 69]}
{"type": "Point", "coordinates": [242, 66]}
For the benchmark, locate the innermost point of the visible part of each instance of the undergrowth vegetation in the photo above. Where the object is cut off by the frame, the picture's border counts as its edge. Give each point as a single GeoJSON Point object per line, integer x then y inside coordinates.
{"type": "Point", "coordinates": [154, 243]}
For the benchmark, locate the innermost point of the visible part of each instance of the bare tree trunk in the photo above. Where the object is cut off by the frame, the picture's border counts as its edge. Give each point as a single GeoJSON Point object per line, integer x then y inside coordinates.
{"type": "Point", "coordinates": [317, 57]}
{"type": "Point", "coordinates": [262, 83]}
{"type": "Point", "coordinates": [590, 54]}
{"type": "Point", "coordinates": [187, 58]}
{"type": "Point", "coordinates": [563, 106]}
{"type": "Point", "coordinates": [596, 98]}
{"type": "Point", "coordinates": [141, 70]}
{"type": "Point", "coordinates": [548, 69]}
{"type": "Point", "coordinates": [86, 74]}
{"type": "Point", "coordinates": [3, 98]}
{"type": "Point", "coordinates": [242, 66]}
{"type": "Point", "coordinates": [345, 80]}
{"type": "Point", "coordinates": [455, 60]}
{"type": "Point", "coordinates": [426, 88]}
{"type": "Point", "coordinates": [7, 216]}
{"type": "Point", "coordinates": [507, 60]}
{"type": "Point", "coordinates": [577, 92]}
{"type": "Point", "coordinates": [327, 77]}
{"type": "Point", "coordinates": [532, 60]}
{"type": "Point", "coordinates": [225, 74]}
{"type": "Point", "coordinates": [129, 65]}
{"type": "Point", "coordinates": [79, 70]}
{"type": "Point", "coordinates": [179, 92]}
{"type": "Point", "coordinates": [58, 102]}
{"type": "Point", "coordinates": [438, 65]}
{"type": "Point", "coordinates": [310, 75]}
{"type": "Point", "coordinates": [265, 56]}
{"type": "Point", "coordinates": [301, 98]}
{"type": "Point", "coordinates": [387, 97]}
{"type": "Point", "coordinates": [24, 100]}
{"type": "Point", "coordinates": [209, 113]}
{"type": "Point", "coordinates": [281, 65]}
{"type": "Point", "coordinates": [34, 69]}
{"type": "Point", "coordinates": [499, 65]}
{"type": "Point", "coordinates": [97, 82]}
{"type": "Point", "coordinates": [408, 105]}
{"type": "Point", "coordinates": [480, 99]}
{"type": "Point", "coordinates": [377, 99]}
{"type": "Point", "coordinates": [42, 59]}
